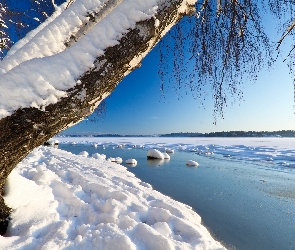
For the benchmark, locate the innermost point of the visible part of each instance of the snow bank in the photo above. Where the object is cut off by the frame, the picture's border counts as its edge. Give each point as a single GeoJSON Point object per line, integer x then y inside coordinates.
{"type": "Point", "coordinates": [154, 154]}
{"type": "Point", "coordinates": [84, 153]}
{"type": "Point", "coordinates": [61, 200]}
{"type": "Point", "coordinates": [99, 156]}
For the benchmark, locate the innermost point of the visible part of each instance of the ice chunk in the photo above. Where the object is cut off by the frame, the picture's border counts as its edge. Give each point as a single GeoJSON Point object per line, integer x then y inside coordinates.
{"type": "Point", "coordinates": [169, 151]}
{"type": "Point", "coordinates": [154, 154]}
{"type": "Point", "coordinates": [118, 159]}
{"type": "Point", "coordinates": [192, 163]}
{"type": "Point", "coordinates": [166, 156]}
{"type": "Point", "coordinates": [84, 153]}
{"type": "Point", "coordinates": [131, 161]}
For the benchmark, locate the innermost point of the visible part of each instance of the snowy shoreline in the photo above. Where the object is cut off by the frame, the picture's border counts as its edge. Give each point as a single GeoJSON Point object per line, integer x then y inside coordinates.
{"type": "Point", "coordinates": [66, 201]}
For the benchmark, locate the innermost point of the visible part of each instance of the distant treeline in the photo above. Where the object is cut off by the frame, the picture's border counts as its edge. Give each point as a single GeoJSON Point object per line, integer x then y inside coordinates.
{"type": "Point", "coordinates": [102, 135]}
{"type": "Point", "coordinates": [281, 133]}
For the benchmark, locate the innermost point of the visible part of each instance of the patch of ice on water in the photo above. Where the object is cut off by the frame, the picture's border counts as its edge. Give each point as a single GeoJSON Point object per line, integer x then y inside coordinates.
{"type": "Point", "coordinates": [166, 156]}
{"type": "Point", "coordinates": [169, 151]}
{"type": "Point", "coordinates": [131, 161]}
{"type": "Point", "coordinates": [192, 163]}
{"type": "Point", "coordinates": [258, 150]}
{"type": "Point", "coordinates": [155, 154]}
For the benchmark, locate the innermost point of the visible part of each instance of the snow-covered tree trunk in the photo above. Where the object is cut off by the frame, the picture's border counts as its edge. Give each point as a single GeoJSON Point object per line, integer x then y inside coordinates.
{"type": "Point", "coordinates": [27, 124]}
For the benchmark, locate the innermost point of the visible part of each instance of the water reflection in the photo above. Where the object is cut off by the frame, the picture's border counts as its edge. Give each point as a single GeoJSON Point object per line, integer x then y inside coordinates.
{"type": "Point", "coordinates": [131, 165]}
{"type": "Point", "coordinates": [156, 162]}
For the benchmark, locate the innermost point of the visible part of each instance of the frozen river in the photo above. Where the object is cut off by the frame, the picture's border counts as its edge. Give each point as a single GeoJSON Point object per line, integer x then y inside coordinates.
{"type": "Point", "coordinates": [244, 191]}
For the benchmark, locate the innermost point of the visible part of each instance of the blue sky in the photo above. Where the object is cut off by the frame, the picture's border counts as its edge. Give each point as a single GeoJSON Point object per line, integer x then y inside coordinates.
{"type": "Point", "coordinates": [137, 106]}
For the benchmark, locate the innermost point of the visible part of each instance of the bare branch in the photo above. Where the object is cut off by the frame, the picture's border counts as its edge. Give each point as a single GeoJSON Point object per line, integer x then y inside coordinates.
{"type": "Point", "coordinates": [288, 31]}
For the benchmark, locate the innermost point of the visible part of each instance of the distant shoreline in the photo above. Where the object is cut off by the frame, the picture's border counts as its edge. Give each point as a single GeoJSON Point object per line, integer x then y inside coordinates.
{"type": "Point", "coordinates": [235, 134]}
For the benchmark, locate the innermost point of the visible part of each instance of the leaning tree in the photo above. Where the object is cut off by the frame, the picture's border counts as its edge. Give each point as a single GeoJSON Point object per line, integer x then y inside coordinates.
{"type": "Point", "coordinates": [62, 70]}
{"type": "Point", "coordinates": [100, 43]}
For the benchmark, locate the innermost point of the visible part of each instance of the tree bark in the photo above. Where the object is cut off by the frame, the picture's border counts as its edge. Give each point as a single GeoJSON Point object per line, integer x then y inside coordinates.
{"type": "Point", "coordinates": [29, 127]}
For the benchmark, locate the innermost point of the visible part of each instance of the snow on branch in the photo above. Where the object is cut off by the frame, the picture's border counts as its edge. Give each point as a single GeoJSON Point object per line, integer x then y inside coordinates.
{"type": "Point", "coordinates": [45, 67]}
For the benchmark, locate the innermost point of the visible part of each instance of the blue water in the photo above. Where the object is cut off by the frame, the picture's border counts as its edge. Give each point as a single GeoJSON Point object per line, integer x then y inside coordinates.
{"type": "Point", "coordinates": [244, 205]}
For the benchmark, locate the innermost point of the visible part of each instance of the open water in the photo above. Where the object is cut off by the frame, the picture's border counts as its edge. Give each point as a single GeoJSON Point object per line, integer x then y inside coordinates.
{"type": "Point", "coordinates": [244, 205]}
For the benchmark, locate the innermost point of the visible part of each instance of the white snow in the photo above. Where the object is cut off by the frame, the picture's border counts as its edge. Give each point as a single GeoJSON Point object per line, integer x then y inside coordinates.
{"type": "Point", "coordinates": [155, 154]}
{"type": "Point", "coordinates": [99, 156]}
{"type": "Point", "coordinates": [84, 153]}
{"type": "Point", "coordinates": [39, 69]}
{"type": "Point", "coordinates": [169, 151]}
{"type": "Point", "coordinates": [157, 23]}
{"type": "Point", "coordinates": [262, 149]}
{"type": "Point", "coordinates": [115, 159]}
{"type": "Point", "coordinates": [192, 163]}
{"type": "Point", "coordinates": [131, 161]}
{"type": "Point", "coordinates": [166, 156]}
{"type": "Point", "coordinates": [118, 160]}
{"type": "Point", "coordinates": [53, 142]}
{"type": "Point", "coordinates": [66, 201]}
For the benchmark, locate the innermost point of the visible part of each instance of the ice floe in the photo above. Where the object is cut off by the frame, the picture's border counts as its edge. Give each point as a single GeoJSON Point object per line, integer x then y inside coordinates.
{"type": "Point", "coordinates": [263, 150]}
{"type": "Point", "coordinates": [154, 154]}
{"type": "Point", "coordinates": [192, 163]}
{"type": "Point", "coordinates": [131, 161]}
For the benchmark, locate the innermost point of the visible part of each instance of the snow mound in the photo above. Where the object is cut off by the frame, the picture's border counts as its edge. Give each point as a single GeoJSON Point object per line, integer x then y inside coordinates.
{"type": "Point", "coordinates": [169, 151]}
{"type": "Point", "coordinates": [84, 153]}
{"type": "Point", "coordinates": [166, 156]}
{"type": "Point", "coordinates": [98, 156]}
{"type": "Point", "coordinates": [131, 161]}
{"type": "Point", "coordinates": [154, 154]}
{"type": "Point", "coordinates": [192, 163]}
{"type": "Point", "coordinates": [51, 142]}
{"type": "Point", "coordinates": [66, 201]}
{"type": "Point", "coordinates": [118, 159]}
